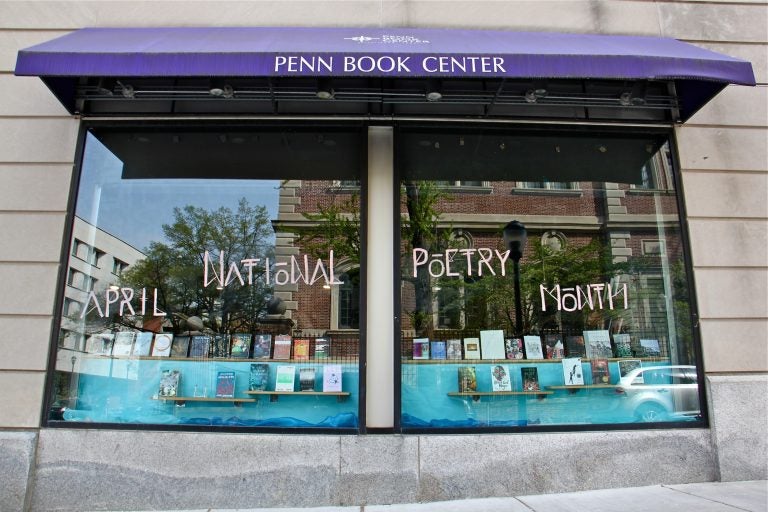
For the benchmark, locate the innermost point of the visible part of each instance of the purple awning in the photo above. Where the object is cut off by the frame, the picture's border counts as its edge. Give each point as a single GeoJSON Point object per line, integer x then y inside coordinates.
{"type": "Point", "coordinates": [375, 52]}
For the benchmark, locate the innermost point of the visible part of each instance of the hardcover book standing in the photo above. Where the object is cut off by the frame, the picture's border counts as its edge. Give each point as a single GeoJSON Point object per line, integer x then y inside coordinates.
{"type": "Point", "coordinates": [600, 371]}
{"type": "Point", "coordinates": [650, 348]}
{"type": "Point", "coordinates": [282, 347]}
{"type": "Point", "coordinates": [169, 383]}
{"type": "Point", "coordinates": [623, 345]}
{"type": "Point", "coordinates": [572, 372]}
{"type": "Point", "coordinates": [301, 349]}
{"type": "Point", "coordinates": [143, 344]}
{"type": "Point", "coordinates": [162, 346]}
{"type": "Point", "coordinates": [262, 346]}
{"type": "Point", "coordinates": [530, 376]}
{"type": "Point", "coordinates": [598, 344]}
{"type": "Point", "coordinates": [554, 346]}
{"type": "Point", "coordinates": [322, 348]}
{"type": "Point", "coordinates": [332, 378]}
{"type": "Point", "coordinates": [241, 346]}
{"type": "Point", "coordinates": [180, 346]}
{"type": "Point", "coordinates": [467, 379]}
{"type": "Point", "coordinates": [259, 378]}
{"type": "Point", "coordinates": [123, 343]}
{"type": "Point", "coordinates": [286, 375]}
{"type": "Point", "coordinates": [492, 344]}
{"type": "Point", "coordinates": [199, 346]}
{"type": "Point", "coordinates": [453, 349]}
{"type": "Point", "coordinates": [627, 366]}
{"type": "Point", "coordinates": [513, 348]}
{"type": "Point", "coordinates": [421, 348]}
{"type": "Point", "coordinates": [220, 346]}
{"type": "Point", "coordinates": [574, 346]}
{"type": "Point", "coordinates": [533, 347]}
{"type": "Point", "coordinates": [500, 378]}
{"type": "Point", "coordinates": [471, 348]}
{"type": "Point", "coordinates": [437, 350]}
{"type": "Point", "coordinates": [307, 379]}
{"type": "Point", "coordinates": [225, 385]}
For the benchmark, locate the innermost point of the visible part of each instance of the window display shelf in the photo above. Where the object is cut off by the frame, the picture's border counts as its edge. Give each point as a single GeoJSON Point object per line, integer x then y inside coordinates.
{"type": "Point", "coordinates": [574, 389]}
{"type": "Point", "coordinates": [183, 399]}
{"type": "Point", "coordinates": [274, 395]}
{"type": "Point", "coordinates": [527, 361]}
{"type": "Point", "coordinates": [477, 394]}
{"type": "Point", "coordinates": [224, 359]}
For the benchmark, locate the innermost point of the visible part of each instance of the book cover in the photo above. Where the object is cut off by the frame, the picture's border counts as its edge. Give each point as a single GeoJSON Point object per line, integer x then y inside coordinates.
{"type": "Point", "coordinates": [169, 383]}
{"type": "Point", "coordinates": [322, 348]}
{"type": "Point", "coordinates": [623, 345]}
{"type": "Point", "coordinates": [123, 343]}
{"type": "Point", "coordinates": [533, 347]}
{"type": "Point", "coordinates": [453, 349]}
{"type": "Point", "coordinates": [627, 365]}
{"type": "Point", "coordinates": [598, 344]}
{"type": "Point", "coordinates": [162, 345]}
{"type": "Point", "coordinates": [513, 348]}
{"type": "Point", "coordinates": [471, 348]}
{"type": "Point", "coordinates": [199, 346]}
{"type": "Point", "coordinates": [240, 347]}
{"type": "Point", "coordinates": [574, 346]}
{"type": "Point", "coordinates": [650, 348]}
{"type": "Point", "coordinates": [262, 346]}
{"type": "Point", "coordinates": [286, 375]}
{"type": "Point", "coordinates": [492, 344]}
{"type": "Point", "coordinates": [332, 378]}
{"type": "Point", "coordinates": [307, 379]}
{"type": "Point", "coordinates": [500, 378]}
{"type": "Point", "coordinates": [225, 385]}
{"type": "Point", "coordinates": [180, 346]}
{"type": "Point", "coordinates": [143, 344]}
{"type": "Point", "coordinates": [437, 350]}
{"type": "Point", "coordinates": [100, 344]}
{"type": "Point", "coordinates": [421, 348]}
{"type": "Point", "coordinates": [301, 349]}
{"type": "Point", "coordinates": [530, 377]}
{"type": "Point", "coordinates": [573, 374]}
{"type": "Point", "coordinates": [601, 374]}
{"type": "Point", "coordinates": [282, 347]}
{"type": "Point", "coordinates": [553, 343]}
{"type": "Point", "coordinates": [467, 379]}
{"type": "Point", "coordinates": [259, 378]}
{"type": "Point", "coordinates": [219, 346]}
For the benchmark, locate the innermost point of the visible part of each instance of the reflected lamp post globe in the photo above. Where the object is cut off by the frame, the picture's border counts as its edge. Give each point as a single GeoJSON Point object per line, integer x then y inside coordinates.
{"type": "Point", "coordinates": [515, 238]}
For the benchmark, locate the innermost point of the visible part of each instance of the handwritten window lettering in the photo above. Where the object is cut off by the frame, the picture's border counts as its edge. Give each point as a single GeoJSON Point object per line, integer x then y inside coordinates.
{"type": "Point", "coordinates": [576, 298]}
{"type": "Point", "coordinates": [444, 264]}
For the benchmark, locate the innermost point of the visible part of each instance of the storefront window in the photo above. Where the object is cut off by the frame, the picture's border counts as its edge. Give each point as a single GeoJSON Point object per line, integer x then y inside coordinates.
{"type": "Point", "coordinates": [200, 280]}
{"type": "Point", "coordinates": [549, 309]}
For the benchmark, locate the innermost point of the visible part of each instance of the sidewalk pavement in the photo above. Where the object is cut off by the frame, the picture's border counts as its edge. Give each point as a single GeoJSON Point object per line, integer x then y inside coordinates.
{"type": "Point", "coordinates": [702, 497]}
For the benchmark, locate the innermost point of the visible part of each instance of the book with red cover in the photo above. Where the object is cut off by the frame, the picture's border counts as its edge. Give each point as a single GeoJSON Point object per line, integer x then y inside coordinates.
{"type": "Point", "coordinates": [301, 349]}
{"type": "Point", "coordinates": [282, 347]}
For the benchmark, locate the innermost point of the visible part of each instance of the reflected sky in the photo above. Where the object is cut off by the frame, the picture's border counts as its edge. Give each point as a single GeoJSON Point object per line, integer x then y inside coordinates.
{"type": "Point", "coordinates": [135, 210]}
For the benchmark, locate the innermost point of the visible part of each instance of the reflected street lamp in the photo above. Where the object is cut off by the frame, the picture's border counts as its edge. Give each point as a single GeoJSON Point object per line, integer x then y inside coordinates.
{"type": "Point", "coordinates": [515, 237]}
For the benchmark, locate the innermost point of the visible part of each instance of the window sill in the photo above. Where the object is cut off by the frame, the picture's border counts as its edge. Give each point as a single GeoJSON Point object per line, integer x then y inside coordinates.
{"type": "Point", "coordinates": [466, 190]}
{"type": "Point", "coordinates": [651, 191]}
{"type": "Point", "coordinates": [548, 192]}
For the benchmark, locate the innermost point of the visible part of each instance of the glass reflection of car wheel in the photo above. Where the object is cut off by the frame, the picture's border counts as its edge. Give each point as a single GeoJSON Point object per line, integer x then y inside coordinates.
{"type": "Point", "coordinates": [649, 413]}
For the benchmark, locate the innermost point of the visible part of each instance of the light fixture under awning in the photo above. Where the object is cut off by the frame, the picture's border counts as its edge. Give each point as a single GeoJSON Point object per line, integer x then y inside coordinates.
{"type": "Point", "coordinates": [418, 54]}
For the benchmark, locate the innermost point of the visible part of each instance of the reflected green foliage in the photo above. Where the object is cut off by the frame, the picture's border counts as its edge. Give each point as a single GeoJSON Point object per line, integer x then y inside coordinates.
{"type": "Point", "coordinates": [175, 268]}
{"type": "Point", "coordinates": [336, 227]}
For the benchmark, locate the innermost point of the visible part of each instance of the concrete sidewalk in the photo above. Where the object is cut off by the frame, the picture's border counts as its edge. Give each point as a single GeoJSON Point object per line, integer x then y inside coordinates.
{"type": "Point", "coordinates": [703, 497]}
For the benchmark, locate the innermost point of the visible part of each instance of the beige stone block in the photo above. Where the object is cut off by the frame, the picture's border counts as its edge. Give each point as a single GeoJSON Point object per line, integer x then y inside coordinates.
{"type": "Point", "coordinates": [754, 53]}
{"type": "Point", "coordinates": [729, 243]}
{"type": "Point", "coordinates": [21, 399]}
{"type": "Point", "coordinates": [614, 201]}
{"type": "Point", "coordinates": [738, 149]}
{"type": "Point", "coordinates": [732, 293]}
{"type": "Point", "coordinates": [24, 342]}
{"type": "Point", "coordinates": [27, 96]}
{"type": "Point", "coordinates": [736, 105]}
{"type": "Point", "coordinates": [31, 236]}
{"type": "Point", "coordinates": [723, 194]}
{"type": "Point", "coordinates": [617, 209]}
{"type": "Point", "coordinates": [286, 251]}
{"type": "Point", "coordinates": [714, 21]}
{"type": "Point", "coordinates": [11, 41]}
{"type": "Point", "coordinates": [27, 289]}
{"type": "Point", "coordinates": [287, 208]}
{"type": "Point", "coordinates": [38, 140]}
{"type": "Point", "coordinates": [735, 346]}
{"type": "Point", "coordinates": [34, 187]}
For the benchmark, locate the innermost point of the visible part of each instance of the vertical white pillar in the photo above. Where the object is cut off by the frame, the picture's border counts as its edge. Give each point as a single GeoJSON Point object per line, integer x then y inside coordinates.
{"type": "Point", "coordinates": [380, 269]}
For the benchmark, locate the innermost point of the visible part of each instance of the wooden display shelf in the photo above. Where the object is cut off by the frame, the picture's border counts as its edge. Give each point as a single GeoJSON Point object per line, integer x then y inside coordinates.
{"type": "Point", "coordinates": [183, 399]}
{"type": "Point", "coordinates": [574, 389]}
{"type": "Point", "coordinates": [477, 394]}
{"type": "Point", "coordinates": [524, 361]}
{"type": "Point", "coordinates": [274, 395]}
{"type": "Point", "coordinates": [329, 360]}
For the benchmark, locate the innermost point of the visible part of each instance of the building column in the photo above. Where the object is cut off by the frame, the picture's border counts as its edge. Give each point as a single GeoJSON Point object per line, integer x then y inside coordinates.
{"type": "Point", "coordinates": [380, 333]}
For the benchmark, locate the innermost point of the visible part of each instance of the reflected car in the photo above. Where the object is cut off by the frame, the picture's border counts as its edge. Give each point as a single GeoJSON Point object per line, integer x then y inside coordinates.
{"type": "Point", "coordinates": [661, 393]}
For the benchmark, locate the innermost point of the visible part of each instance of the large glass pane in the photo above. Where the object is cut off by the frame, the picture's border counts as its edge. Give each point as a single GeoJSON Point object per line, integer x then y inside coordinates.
{"type": "Point", "coordinates": [524, 309]}
{"type": "Point", "coordinates": [203, 276]}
